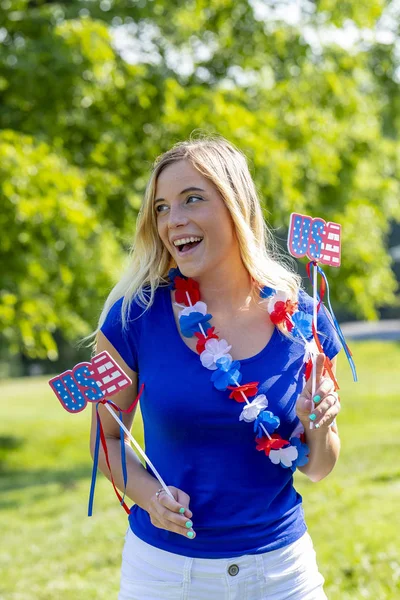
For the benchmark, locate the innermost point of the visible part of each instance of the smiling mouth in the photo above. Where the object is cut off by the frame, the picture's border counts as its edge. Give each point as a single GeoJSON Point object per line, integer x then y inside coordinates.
{"type": "Point", "coordinates": [187, 245]}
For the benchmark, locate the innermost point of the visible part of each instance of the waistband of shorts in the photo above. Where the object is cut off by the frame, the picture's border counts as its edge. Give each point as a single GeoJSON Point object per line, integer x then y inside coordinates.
{"type": "Point", "coordinates": [207, 567]}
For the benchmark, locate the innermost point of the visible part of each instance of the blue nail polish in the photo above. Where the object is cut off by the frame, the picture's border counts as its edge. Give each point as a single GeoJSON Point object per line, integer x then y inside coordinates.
{"type": "Point", "coordinates": [190, 534]}
{"type": "Point", "coordinates": [182, 510]}
{"type": "Point", "coordinates": [312, 417]}
{"type": "Point", "coordinates": [316, 425]}
{"type": "Point", "coordinates": [317, 399]}
{"type": "Point", "coordinates": [188, 524]}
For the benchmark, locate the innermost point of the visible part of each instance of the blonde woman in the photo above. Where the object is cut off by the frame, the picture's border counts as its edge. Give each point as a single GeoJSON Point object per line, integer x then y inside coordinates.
{"type": "Point", "coordinates": [235, 529]}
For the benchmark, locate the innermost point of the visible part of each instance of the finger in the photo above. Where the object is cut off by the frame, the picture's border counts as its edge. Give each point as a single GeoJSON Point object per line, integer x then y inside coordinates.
{"type": "Point", "coordinates": [328, 418]}
{"type": "Point", "coordinates": [329, 408]}
{"type": "Point", "coordinates": [320, 366]}
{"type": "Point", "coordinates": [174, 522]}
{"type": "Point", "coordinates": [162, 521]}
{"type": "Point", "coordinates": [184, 499]}
{"type": "Point", "coordinates": [304, 406]}
{"type": "Point", "coordinates": [326, 387]}
{"type": "Point", "coordinates": [170, 511]}
{"type": "Point", "coordinates": [173, 505]}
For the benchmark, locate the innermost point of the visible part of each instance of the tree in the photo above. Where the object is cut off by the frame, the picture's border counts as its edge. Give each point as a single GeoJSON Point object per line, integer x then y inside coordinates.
{"type": "Point", "coordinates": [51, 236]}
{"type": "Point", "coordinates": [81, 127]}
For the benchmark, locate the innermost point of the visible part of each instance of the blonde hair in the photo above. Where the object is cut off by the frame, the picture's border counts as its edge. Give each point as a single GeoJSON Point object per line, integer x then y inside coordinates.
{"type": "Point", "coordinates": [149, 261]}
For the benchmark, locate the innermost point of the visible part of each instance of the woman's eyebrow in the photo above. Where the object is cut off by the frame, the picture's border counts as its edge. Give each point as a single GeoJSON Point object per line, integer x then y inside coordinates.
{"type": "Point", "coordinates": [189, 189]}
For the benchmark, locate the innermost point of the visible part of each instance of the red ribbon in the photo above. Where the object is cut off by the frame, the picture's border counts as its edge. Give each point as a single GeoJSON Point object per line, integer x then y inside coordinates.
{"type": "Point", "coordinates": [104, 445]}
{"type": "Point", "coordinates": [104, 441]}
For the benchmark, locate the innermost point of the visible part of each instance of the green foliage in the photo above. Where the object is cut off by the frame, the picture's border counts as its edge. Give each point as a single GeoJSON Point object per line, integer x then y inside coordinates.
{"type": "Point", "coordinates": [364, 14]}
{"type": "Point", "coordinates": [45, 470]}
{"type": "Point", "coordinates": [81, 128]}
{"type": "Point", "coordinates": [51, 236]}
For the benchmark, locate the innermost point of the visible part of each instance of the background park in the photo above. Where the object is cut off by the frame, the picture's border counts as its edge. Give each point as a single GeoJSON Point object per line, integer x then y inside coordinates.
{"type": "Point", "coordinates": [91, 92]}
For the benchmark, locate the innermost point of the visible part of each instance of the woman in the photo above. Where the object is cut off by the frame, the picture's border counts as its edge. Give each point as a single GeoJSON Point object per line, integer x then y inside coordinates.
{"type": "Point", "coordinates": [236, 528]}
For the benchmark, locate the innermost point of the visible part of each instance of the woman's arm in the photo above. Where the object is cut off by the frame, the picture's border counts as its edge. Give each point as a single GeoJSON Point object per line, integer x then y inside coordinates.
{"type": "Point", "coordinates": [165, 512]}
{"type": "Point", "coordinates": [324, 445]}
{"type": "Point", "coordinates": [324, 442]}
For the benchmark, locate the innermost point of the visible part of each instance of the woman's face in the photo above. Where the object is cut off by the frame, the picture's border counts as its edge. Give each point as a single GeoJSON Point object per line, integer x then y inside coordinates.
{"type": "Point", "coordinates": [194, 224]}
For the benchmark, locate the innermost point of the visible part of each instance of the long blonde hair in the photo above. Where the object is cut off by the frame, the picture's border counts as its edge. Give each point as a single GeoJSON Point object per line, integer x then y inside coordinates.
{"type": "Point", "coordinates": [149, 261]}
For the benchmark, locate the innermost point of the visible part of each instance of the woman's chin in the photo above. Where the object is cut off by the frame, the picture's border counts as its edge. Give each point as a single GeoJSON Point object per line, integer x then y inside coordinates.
{"type": "Point", "coordinates": [190, 270]}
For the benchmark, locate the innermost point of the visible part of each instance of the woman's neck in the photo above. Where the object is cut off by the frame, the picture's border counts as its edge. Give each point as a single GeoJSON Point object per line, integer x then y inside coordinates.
{"type": "Point", "coordinates": [224, 292]}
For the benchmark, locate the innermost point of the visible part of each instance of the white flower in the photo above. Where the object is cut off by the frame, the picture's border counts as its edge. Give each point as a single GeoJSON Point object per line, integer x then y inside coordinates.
{"type": "Point", "coordinates": [310, 351]}
{"type": "Point", "coordinates": [251, 411]}
{"type": "Point", "coordinates": [214, 349]}
{"type": "Point", "coordinates": [278, 297]}
{"type": "Point", "coordinates": [284, 455]}
{"type": "Point", "coordinates": [200, 307]}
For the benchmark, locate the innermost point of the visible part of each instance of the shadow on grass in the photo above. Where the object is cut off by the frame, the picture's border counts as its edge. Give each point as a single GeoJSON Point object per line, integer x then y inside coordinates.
{"type": "Point", "coordinates": [8, 443]}
{"type": "Point", "coordinates": [386, 477]}
{"type": "Point", "coordinates": [21, 479]}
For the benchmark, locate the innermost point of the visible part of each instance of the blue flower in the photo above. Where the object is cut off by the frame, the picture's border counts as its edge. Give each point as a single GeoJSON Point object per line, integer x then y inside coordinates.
{"type": "Point", "coordinates": [225, 362]}
{"type": "Point", "coordinates": [269, 420]}
{"type": "Point", "coordinates": [302, 321]}
{"type": "Point", "coordinates": [189, 324]}
{"type": "Point", "coordinates": [267, 292]}
{"type": "Point", "coordinates": [227, 373]}
{"type": "Point", "coordinates": [172, 273]}
{"type": "Point", "coordinates": [303, 451]}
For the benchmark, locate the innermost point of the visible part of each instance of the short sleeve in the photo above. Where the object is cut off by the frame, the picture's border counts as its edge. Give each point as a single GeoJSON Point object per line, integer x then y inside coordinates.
{"type": "Point", "coordinates": [123, 340]}
{"type": "Point", "coordinates": [326, 332]}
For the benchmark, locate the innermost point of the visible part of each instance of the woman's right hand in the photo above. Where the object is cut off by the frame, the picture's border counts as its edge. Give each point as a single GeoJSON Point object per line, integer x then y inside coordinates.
{"type": "Point", "coordinates": [172, 515]}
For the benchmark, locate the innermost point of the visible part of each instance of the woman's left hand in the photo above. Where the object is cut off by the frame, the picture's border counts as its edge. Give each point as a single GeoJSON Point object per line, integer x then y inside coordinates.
{"type": "Point", "coordinates": [327, 404]}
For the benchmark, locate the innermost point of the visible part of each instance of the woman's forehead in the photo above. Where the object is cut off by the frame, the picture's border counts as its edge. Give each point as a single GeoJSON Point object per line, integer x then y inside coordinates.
{"type": "Point", "coordinates": [177, 176]}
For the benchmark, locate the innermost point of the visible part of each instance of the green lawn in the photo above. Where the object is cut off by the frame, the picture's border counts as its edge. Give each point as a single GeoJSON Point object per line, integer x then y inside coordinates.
{"type": "Point", "coordinates": [50, 549]}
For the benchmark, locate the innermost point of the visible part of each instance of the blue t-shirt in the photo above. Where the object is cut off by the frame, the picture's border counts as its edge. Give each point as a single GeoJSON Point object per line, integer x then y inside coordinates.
{"type": "Point", "coordinates": [242, 503]}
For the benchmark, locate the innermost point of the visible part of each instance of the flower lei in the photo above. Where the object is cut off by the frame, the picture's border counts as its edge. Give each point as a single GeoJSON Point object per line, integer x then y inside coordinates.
{"type": "Point", "coordinates": [194, 320]}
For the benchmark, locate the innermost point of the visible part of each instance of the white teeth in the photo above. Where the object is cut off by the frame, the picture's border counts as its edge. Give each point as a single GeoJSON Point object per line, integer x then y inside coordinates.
{"type": "Point", "coordinates": [187, 241]}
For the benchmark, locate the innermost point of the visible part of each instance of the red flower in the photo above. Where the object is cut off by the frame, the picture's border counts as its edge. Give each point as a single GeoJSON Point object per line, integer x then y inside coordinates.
{"type": "Point", "coordinates": [185, 287]}
{"type": "Point", "coordinates": [200, 346]}
{"type": "Point", "coordinates": [302, 438]}
{"type": "Point", "coordinates": [248, 389]}
{"type": "Point", "coordinates": [281, 313]}
{"type": "Point", "coordinates": [268, 444]}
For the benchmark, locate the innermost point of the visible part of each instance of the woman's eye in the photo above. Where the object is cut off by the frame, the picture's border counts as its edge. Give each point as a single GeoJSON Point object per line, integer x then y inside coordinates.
{"type": "Point", "coordinates": [163, 207]}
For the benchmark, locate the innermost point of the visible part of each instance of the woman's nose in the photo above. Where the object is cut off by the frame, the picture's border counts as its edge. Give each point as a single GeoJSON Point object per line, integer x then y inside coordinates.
{"type": "Point", "coordinates": [176, 217]}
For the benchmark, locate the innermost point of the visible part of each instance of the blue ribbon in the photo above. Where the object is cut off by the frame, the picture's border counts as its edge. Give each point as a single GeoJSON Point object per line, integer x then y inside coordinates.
{"type": "Point", "coordinates": [336, 324]}
{"type": "Point", "coordinates": [95, 463]}
{"type": "Point", "coordinates": [96, 460]}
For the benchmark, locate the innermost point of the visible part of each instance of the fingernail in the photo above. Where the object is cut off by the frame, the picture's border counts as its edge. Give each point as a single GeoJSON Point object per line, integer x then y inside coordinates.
{"type": "Point", "coordinates": [182, 510]}
{"type": "Point", "coordinates": [316, 425]}
{"type": "Point", "coordinates": [317, 399]}
{"type": "Point", "coordinates": [188, 524]}
{"type": "Point", "coordinates": [190, 534]}
{"type": "Point", "coordinates": [312, 417]}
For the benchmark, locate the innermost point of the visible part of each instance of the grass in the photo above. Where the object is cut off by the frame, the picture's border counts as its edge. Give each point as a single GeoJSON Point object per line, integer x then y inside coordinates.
{"type": "Point", "coordinates": [51, 549]}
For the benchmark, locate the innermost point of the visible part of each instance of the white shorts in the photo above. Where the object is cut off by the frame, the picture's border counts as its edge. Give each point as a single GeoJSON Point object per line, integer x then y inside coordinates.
{"type": "Point", "coordinates": [149, 573]}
